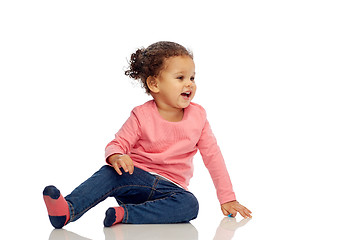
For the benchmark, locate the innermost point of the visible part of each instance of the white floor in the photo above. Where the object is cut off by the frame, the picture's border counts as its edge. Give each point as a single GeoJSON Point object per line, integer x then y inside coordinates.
{"type": "Point", "coordinates": [278, 224]}
{"type": "Point", "coordinates": [225, 231]}
{"type": "Point", "coordinates": [304, 213]}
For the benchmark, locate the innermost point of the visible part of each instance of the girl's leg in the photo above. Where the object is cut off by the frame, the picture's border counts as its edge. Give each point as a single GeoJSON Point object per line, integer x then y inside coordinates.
{"type": "Point", "coordinates": [167, 203]}
{"type": "Point", "coordinates": [104, 183]}
{"type": "Point", "coordinates": [145, 198]}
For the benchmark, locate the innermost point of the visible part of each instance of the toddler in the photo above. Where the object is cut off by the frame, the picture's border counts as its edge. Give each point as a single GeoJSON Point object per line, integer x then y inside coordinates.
{"type": "Point", "coordinates": [150, 161]}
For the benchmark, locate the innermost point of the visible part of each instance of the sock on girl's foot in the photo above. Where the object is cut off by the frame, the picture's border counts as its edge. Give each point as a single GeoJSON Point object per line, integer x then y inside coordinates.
{"type": "Point", "coordinates": [57, 206]}
{"type": "Point", "coordinates": [113, 216]}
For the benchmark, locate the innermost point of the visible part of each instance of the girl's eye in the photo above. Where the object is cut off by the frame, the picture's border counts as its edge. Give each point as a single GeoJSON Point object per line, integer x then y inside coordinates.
{"type": "Point", "coordinates": [180, 77]}
{"type": "Point", "coordinates": [192, 79]}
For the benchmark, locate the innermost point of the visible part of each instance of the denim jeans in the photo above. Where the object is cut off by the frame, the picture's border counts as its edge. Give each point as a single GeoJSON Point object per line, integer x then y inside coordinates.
{"type": "Point", "coordinates": [145, 198]}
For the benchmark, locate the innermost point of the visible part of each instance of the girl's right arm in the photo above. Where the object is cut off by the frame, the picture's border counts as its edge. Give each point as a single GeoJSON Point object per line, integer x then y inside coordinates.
{"type": "Point", "coordinates": [116, 151]}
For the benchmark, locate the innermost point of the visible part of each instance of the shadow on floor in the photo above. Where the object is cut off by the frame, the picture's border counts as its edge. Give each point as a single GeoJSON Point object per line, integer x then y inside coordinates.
{"type": "Point", "coordinates": [186, 231]}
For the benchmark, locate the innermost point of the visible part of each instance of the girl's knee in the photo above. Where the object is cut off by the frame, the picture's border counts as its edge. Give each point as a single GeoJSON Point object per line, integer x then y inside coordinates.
{"type": "Point", "coordinates": [105, 172]}
{"type": "Point", "coordinates": [107, 169]}
{"type": "Point", "coordinates": [192, 206]}
{"type": "Point", "coordinates": [194, 202]}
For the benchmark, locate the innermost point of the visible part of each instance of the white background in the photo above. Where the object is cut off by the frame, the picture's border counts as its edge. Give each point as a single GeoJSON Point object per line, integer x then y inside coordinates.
{"type": "Point", "coordinates": [274, 77]}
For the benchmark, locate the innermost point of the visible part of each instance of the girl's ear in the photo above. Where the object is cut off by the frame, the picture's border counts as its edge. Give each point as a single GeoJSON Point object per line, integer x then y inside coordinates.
{"type": "Point", "coordinates": [152, 84]}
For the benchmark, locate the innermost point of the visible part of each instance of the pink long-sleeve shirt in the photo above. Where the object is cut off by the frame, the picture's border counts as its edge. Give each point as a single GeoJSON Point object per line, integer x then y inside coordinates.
{"type": "Point", "coordinates": [167, 148]}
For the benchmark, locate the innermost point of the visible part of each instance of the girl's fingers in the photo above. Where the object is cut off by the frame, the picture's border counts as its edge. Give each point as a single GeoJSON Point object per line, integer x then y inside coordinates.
{"type": "Point", "coordinates": [122, 162]}
{"type": "Point", "coordinates": [124, 166]}
{"type": "Point", "coordinates": [233, 214]}
{"type": "Point", "coordinates": [116, 167]}
{"type": "Point", "coordinates": [225, 212]}
{"type": "Point", "coordinates": [127, 164]}
{"type": "Point", "coordinates": [247, 213]}
{"type": "Point", "coordinates": [131, 168]}
{"type": "Point", "coordinates": [244, 212]}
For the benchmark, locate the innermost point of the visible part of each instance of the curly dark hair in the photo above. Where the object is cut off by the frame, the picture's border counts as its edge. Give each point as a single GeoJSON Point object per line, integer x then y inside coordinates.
{"type": "Point", "coordinates": [149, 62]}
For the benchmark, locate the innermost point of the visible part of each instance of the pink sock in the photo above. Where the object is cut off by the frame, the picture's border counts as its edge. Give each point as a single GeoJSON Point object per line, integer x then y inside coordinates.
{"type": "Point", "coordinates": [57, 207]}
{"type": "Point", "coordinates": [113, 216]}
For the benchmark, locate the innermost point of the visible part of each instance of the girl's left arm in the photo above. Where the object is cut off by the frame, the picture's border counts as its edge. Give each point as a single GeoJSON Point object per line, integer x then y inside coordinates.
{"type": "Point", "coordinates": [215, 164]}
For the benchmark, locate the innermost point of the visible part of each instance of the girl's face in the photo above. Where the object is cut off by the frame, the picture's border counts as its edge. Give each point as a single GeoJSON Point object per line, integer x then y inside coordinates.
{"type": "Point", "coordinates": [176, 82]}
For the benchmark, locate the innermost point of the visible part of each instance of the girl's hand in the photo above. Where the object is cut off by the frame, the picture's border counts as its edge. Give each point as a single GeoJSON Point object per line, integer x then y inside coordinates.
{"type": "Point", "coordinates": [121, 161]}
{"type": "Point", "coordinates": [234, 207]}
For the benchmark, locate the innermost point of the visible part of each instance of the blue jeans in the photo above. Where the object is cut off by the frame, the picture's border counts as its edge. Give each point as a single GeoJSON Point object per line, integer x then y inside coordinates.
{"type": "Point", "coordinates": [144, 197]}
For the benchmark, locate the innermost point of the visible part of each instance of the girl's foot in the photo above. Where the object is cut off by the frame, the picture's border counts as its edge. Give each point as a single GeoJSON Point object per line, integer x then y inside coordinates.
{"type": "Point", "coordinates": [113, 216]}
{"type": "Point", "coordinates": [57, 207]}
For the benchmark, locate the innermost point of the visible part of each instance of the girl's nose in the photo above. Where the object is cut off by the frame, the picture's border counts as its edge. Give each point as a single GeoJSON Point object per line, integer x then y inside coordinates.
{"type": "Point", "coordinates": [189, 83]}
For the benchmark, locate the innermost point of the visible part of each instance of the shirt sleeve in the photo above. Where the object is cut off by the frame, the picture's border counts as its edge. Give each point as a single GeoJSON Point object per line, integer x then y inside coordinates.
{"type": "Point", "coordinates": [214, 162]}
{"type": "Point", "coordinates": [125, 138]}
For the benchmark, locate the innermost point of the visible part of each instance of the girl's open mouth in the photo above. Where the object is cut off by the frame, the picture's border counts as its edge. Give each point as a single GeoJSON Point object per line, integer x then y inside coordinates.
{"type": "Point", "coordinates": [186, 95]}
